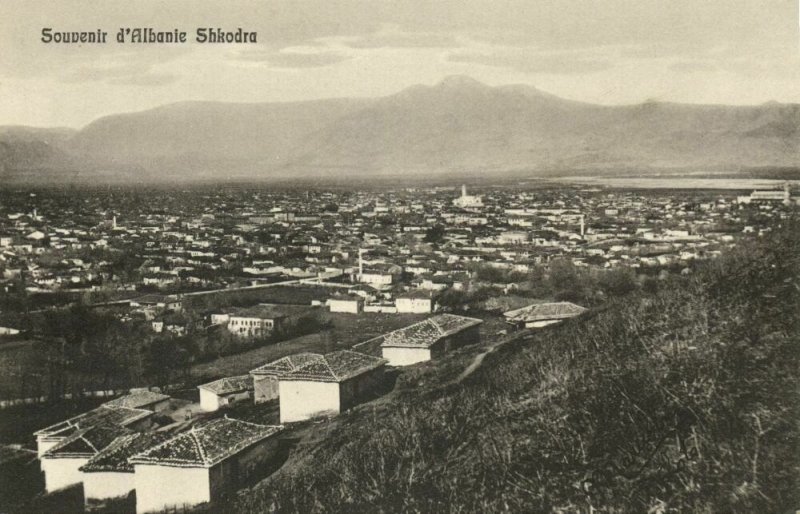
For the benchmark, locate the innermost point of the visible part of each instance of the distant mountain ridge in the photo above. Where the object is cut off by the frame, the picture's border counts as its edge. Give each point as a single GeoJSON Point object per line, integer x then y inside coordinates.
{"type": "Point", "coordinates": [458, 125]}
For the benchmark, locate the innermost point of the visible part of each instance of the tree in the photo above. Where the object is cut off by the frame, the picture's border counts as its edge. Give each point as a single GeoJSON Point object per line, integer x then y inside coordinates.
{"type": "Point", "coordinates": [435, 234]}
{"type": "Point", "coordinates": [617, 282]}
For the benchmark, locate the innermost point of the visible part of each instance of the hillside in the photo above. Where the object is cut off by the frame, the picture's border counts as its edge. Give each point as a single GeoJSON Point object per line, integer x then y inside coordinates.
{"type": "Point", "coordinates": [28, 149]}
{"type": "Point", "coordinates": [457, 126]}
{"type": "Point", "coordinates": [682, 400]}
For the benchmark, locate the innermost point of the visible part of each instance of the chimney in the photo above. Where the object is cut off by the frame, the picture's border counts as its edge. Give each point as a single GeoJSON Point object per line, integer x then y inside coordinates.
{"type": "Point", "coordinates": [583, 224]}
{"type": "Point", "coordinates": [360, 262]}
{"type": "Point", "coordinates": [114, 222]}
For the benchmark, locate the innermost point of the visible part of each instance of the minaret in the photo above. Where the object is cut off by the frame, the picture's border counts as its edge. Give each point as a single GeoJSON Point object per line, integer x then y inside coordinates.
{"type": "Point", "coordinates": [463, 190]}
{"type": "Point", "coordinates": [114, 223]}
{"type": "Point", "coordinates": [361, 261]}
{"type": "Point", "coordinates": [583, 224]}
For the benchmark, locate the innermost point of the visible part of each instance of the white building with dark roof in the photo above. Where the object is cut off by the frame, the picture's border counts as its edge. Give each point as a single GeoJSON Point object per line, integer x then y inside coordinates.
{"type": "Point", "coordinates": [427, 339]}
{"type": "Point", "coordinates": [61, 463]}
{"type": "Point", "coordinates": [202, 464]}
{"type": "Point", "coordinates": [543, 314]}
{"type": "Point", "coordinates": [225, 391]}
{"type": "Point", "coordinates": [264, 319]}
{"type": "Point", "coordinates": [135, 419]}
{"type": "Point", "coordinates": [328, 385]}
{"type": "Point", "coordinates": [265, 378]}
{"type": "Point", "coordinates": [109, 474]}
{"type": "Point", "coordinates": [415, 302]}
{"type": "Point", "coordinates": [351, 304]}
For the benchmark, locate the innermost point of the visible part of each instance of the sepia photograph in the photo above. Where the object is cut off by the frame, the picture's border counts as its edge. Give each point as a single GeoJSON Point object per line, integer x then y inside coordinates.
{"type": "Point", "coordinates": [400, 256]}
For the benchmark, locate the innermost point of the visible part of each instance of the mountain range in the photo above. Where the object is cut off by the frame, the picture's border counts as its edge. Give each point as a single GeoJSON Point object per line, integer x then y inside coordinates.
{"type": "Point", "coordinates": [459, 126]}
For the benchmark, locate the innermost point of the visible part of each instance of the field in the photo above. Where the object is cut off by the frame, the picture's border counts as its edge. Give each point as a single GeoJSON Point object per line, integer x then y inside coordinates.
{"type": "Point", "coordinates": [284, 294]}
{"type": "Point", "coordinates": [347, 330]}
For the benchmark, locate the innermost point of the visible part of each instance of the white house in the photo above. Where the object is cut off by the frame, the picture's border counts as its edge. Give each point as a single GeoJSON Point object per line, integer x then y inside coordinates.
{"type": "Point", "coordinates": [543, 314]}
{"type": "Point", "coordinates": [51, 436]}
{"type": "Point", "coordinates": [264, 319]}
{"type": "Point", "coordinates": [328, 385]}
{"type": "Point", "coordinates": [350, 304]}
{"type": "Point", "coordinates": [417, 302]}
{"type": "Point", "coordinates": [202, 464]}
{"type": "Point", "coordinates": [109, 474]}
{"type": "Point", "coordinates": [225, 391]}
{"type": "Point", "coordinates": [376, 278]}
{"type": "Point", "coordinates": [427, 339]}
{"type": "Point", "coordinates": [265, 378]}
{"type": "Point", "coordinates": [61, 463]}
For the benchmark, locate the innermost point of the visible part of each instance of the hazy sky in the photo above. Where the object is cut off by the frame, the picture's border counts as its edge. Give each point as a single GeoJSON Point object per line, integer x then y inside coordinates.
{"type": "Point", "coordinates": [602, 51]}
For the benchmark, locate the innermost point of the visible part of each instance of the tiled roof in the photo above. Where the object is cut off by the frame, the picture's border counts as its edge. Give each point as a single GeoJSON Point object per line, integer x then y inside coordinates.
{"type": "Point", "coordinates": [86, 442]}
{"type": "Point", "coordinates": [114, 457]}
{"type": "Point", "coordinates": [545, 312]}
{"type": "Point", "coordinates": [139, 399]}
{"type": "Point", "coordinates": [335, 367]}
{"type": "Point", "coordinates": [109, 414]}
{"type": "Point", "coordinates": [427, 332]}
{"type": "Point", "coordinates": [269, 311]}
{"type": "Point", "coordinates": [229, 385]}
{"type": "Point", "coordinates": [206, 445]}
{"type": "Point", "coordinates": [286, 364]}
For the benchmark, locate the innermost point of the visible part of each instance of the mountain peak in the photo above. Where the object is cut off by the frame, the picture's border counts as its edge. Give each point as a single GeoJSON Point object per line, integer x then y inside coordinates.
{"type": "Point", "coordinates": [461, 81]}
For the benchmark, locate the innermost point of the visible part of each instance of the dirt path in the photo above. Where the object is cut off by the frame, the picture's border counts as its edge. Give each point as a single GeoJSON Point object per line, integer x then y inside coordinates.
{"type": "Point", "coordinates": [478, 360]}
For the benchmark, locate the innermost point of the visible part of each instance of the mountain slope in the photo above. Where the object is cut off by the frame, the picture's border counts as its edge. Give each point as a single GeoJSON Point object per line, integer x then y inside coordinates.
{"type": "Point", "coordinates": [29, 149]}
{"type": "Point", "coordinates": [205, 135]}
{"type": "Point", "coordinates": [462, 124]}
{"type": "Point", "coordinates": [459, 125]}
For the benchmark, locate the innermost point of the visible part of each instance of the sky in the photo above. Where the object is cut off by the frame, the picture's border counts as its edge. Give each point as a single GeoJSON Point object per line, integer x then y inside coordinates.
{"type": "Point", "coordinates": [599, 51]}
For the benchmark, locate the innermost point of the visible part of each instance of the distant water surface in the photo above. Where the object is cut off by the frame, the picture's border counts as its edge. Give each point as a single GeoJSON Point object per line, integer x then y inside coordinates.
{"type": "Point", "coordinates": [681, 182]}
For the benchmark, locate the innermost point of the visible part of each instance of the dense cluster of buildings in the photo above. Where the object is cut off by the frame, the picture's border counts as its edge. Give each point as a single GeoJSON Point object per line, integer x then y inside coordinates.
{"type": "Point", "coordinates": [388, 251]}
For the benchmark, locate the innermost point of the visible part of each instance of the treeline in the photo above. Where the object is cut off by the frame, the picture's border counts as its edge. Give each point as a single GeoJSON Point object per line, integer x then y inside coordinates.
{"type": "Point", "coordinates": [561, 280]}
{"type": "Point", "coordinates": [683, 399]}
{"type": "Point", "coordinates": [80, 349]}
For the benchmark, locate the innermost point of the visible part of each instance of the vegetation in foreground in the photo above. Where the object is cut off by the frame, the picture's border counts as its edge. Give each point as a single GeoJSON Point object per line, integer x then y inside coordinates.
{"type": "Point", "coordinates": [678, 400]}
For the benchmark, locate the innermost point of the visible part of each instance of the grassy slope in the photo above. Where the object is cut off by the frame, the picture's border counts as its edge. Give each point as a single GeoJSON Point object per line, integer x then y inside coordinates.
{"type": "Point", "coordinates": [682, 401]}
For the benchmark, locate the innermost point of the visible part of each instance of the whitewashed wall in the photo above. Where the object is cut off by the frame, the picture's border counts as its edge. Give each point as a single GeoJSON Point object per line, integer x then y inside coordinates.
{"type": "Point", "coordinates": [60, 473]}
{"type": "Point", "coordinates": [162, 487]}
{"type": "Point", "coordinates": [347, 306]}
{"type": "Point", "coordinates": [301, 400]}
{"type": "Point", "coordinates": [209, 401]}
{"type": "Point", "coordinates": [414, 305]}
{"type": "Point", "coordinates": [406, 356]}
{"type": "Point", "coordinates": [101, 485]}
